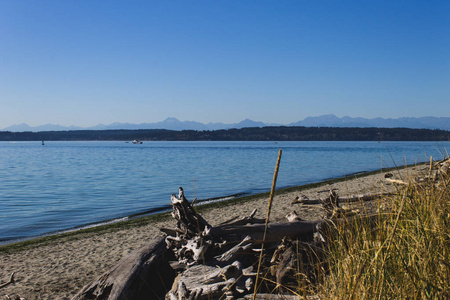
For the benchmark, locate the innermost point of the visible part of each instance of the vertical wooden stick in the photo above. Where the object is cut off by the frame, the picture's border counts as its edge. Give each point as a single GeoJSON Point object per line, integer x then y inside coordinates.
{"type": "Point", "coordinates": [431, 167]}
{"type": "Point", "coordinates": [272, 192]}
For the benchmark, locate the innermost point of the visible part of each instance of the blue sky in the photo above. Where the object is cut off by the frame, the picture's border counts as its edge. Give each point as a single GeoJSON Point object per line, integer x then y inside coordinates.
{"type": "Point", "coordinates": [89, 62]}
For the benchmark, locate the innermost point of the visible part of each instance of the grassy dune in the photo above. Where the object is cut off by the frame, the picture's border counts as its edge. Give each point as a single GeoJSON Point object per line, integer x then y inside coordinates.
{"type": "Point", "coordinates": [404, 255]}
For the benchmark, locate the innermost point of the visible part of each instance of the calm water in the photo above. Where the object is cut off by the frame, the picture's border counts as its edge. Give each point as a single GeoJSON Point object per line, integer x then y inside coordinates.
{"type": "Point", "coordinates": [63, 185]}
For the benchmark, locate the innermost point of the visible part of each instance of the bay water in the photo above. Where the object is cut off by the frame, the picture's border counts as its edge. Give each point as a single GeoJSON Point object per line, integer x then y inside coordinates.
{"type": "Point", "coordinates": [65, 185]}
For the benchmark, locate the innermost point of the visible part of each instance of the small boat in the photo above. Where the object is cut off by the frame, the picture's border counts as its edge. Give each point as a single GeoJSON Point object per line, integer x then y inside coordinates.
{"type": "Point", "coordinates": [137, 142]}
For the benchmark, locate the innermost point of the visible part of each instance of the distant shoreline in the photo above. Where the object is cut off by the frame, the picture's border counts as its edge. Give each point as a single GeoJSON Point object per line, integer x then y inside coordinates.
{"type": "Point", "coordinates": [274, 133]}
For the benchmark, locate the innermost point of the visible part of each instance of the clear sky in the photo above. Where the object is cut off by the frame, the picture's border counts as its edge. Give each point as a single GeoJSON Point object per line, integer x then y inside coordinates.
{"type": "Point", "coordinates": [87, 62]}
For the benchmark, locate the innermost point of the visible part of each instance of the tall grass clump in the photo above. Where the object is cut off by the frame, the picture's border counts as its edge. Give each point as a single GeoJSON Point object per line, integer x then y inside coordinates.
{"type": "Point", "coordinates": [402, 252]}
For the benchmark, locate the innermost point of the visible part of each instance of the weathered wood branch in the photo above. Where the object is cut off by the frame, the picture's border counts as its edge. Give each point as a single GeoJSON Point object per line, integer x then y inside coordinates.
{"type": "Point", "coordinates": [10, 281]}
{"type": "Point", "coordinates": [231, 254]}
{"type": "Point", "coordinates": [397, 181]}
{"type": "Point", "coordinates": [250, 219]}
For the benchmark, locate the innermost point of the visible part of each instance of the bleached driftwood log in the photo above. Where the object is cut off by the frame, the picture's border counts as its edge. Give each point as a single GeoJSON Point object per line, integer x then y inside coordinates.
{"type": "Point", "coordinates": [352, 198]}
{"type": "Point", "coordinates": [145, 274]}
{"type": "Point", "coordinates": [298, 229]}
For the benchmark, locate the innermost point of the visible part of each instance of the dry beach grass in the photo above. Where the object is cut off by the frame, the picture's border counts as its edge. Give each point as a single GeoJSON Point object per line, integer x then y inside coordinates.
{"type": "Point", "coordinates": [56, 268]}
{"type": "Point", "coordinates": [404, 253]}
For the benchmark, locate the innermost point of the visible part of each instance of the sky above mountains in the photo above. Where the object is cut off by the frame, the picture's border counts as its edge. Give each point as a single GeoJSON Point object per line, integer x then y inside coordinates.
{"type": "Point", "coordinates": [88, 62]}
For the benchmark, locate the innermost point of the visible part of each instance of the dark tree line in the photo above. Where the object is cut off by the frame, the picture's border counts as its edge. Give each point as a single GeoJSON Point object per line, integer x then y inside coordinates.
{"type": "Point", "coordinates": [278, 133]}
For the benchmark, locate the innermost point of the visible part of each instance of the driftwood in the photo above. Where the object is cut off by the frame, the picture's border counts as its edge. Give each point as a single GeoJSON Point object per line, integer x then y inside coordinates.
{"type": "Point", "coordinates": [295, 229]}
{"type": "Point", "coordinates": [275, 231]}
{"type": "Point", "coordinates": [261, 296]}
{"type": "Point", "coordinates": [352, 198]}
{"type": "Point", "coordinates": [227, 252]}
{"type": "Point", "coordinates": [250, 219]}
{"type": "Point", "coordinates": [147, 272]}
{"type": "Point", "coordinates": [331, 204]}
{"type": "Point", "coordinates": [437, 171]}
{"type": "Point", "coordinates": [190, 242]}
{"type": "Point", "coordinates": [208, 282]}
{"type": "Point", "coordinates": [10, 297]}
{"type": "Point", "coordinates": [445, 167]}
{"type": "Point", "coordinates": [217, 261]}
{"type": "Point", "coordinates": [283, 260]}
{"type": "Point", "coordinates": [231, 254]}
{"type": "Point", "coordinates": [144, 274]}
{"type": "Point", "coordinates": [397, 181]}
{"type": "Point", "coordinates": [205, 262]}
{"type": "Point", "coordinates": [194, 242]}
{"type": "Point", "coordinates": [295, 263]}
{"type": "Point", "coordinates": [189, 222]}
{"type": "Point", "coordinates": [11, 280]}
{"type": "Point", "coordinates": [293, 216]}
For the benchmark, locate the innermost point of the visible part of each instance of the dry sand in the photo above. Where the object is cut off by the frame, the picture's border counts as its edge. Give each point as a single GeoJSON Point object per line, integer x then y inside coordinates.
{"type": "Point", "coordinates": [59, 269]}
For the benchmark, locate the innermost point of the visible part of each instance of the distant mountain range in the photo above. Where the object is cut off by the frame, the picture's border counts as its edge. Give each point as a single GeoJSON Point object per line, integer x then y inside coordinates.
{"type": "Point", "coordinates": [321, 121]}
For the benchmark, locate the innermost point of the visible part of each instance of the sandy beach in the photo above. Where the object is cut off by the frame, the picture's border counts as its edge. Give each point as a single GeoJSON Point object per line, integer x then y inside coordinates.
{"type": "Point", "coordinates": [60, 268]}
